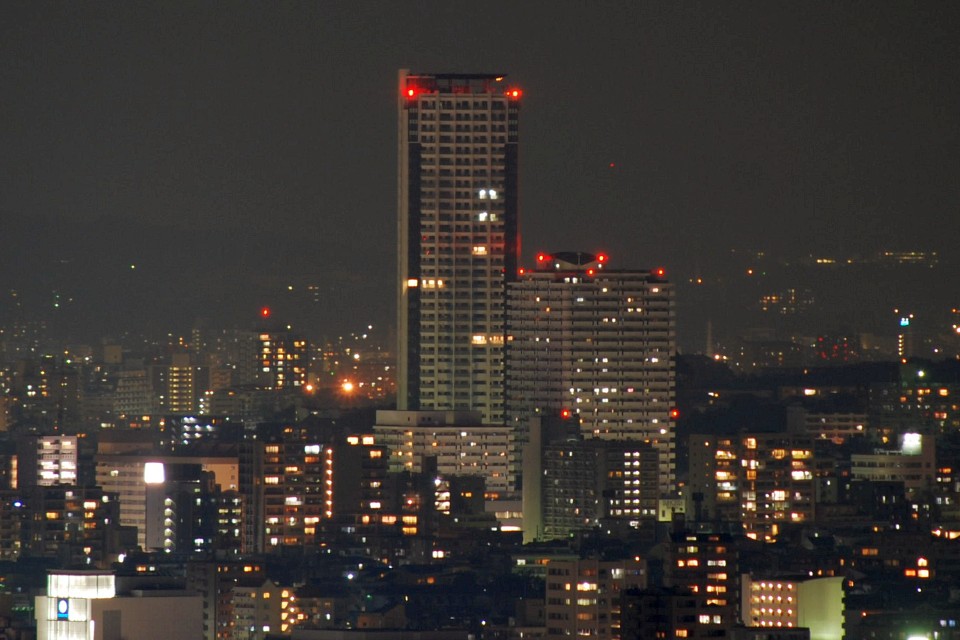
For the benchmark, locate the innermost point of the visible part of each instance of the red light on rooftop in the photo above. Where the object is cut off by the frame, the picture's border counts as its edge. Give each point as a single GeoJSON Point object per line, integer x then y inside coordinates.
{"type": "Point", "coordinates": [514, 93]}
{"type": "Point", "coordinates": [660, 272]}
{"type": "Point", "coordinates": [601, 257]}
{"type": "Point", "coordinates": [541, 257]}
{"type": "Point", "coordinates": [674, 414]}
{"type": "Point", "coordinates": [589, 272]}
{"type": "Point", "coordinates": [565, 413]}
{"type": "Point", "coordinates": [265, 312]}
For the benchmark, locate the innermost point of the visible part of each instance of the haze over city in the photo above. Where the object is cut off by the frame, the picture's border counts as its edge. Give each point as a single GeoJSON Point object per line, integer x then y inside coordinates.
{"type": "Point", "coordinates": [229, 152]}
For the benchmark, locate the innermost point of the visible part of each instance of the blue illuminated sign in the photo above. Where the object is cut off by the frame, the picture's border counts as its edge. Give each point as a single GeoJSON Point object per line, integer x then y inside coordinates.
{"type": "Point", "coordinates": [63, 609]}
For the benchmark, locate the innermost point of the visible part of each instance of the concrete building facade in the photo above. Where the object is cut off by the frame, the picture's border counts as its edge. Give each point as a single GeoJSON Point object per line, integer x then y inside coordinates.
{"type": "Point", "coordinates": [458, 241]}
{"type": "Point", "coordinates": [460, 442]}
{"type": "Point", "coordinates": [584, 595]}
{"type": "Point", "coordinates": [597, 344]}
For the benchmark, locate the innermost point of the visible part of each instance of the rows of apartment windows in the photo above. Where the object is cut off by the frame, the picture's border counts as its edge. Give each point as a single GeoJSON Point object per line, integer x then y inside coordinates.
{"type": "Point", "coordinates": [427, 103]}
{"type": "Point", "coordinates": [468, 256]}
{"type": "Point", "coordinates": [460, 116]}
{"type": "Point", "coordinates": [483, 235]}
{"type": "Point", "coordinates": [429, 142]}
{"type": "Point", "coordinates": [467, 171]}
{"type": "Point", "coordinates": [463, 128]}
{"type": "Point", "coordinates": [444, 205]}
{"type": "Point", "coordinates": [477, 149]}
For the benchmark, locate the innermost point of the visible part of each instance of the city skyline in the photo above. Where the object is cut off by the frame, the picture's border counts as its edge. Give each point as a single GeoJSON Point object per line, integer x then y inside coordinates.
{"type": "Point", "coordinates": [682, 363]}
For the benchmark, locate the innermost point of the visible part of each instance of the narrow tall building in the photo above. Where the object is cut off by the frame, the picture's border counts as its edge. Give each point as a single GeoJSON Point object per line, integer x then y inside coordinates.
{"type": "Point", "coordinates": [706, 566]}
{"type": "Point", "coordinates": [457, 238]}
{"type": "Point", "coordinates": [595, 344]}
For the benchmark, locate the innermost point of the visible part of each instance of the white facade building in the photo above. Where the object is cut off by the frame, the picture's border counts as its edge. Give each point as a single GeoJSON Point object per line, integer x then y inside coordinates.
{"type": "Point", "coordinates": [85, 605]}
{"type": "Point", "coordinates": [817, 604]}
{"type": "Point", "coordinates": [914, 463]}
{"type": "Point", "coordinates": [461, 443]}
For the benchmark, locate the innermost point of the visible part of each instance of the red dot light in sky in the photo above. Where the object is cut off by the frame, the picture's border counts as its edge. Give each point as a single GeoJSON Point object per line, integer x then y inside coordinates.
{"type": "Point", "coordinates": [265, 312]}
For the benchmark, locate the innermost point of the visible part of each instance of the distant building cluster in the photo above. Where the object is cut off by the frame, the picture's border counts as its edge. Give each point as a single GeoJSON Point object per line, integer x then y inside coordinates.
{"type": "Point", "coordinates": [761, 312]}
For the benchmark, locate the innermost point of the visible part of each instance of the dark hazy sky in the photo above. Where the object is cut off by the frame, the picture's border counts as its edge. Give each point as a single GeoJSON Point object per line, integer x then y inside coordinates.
{"type": "Point", "coordinates": [808, 127]}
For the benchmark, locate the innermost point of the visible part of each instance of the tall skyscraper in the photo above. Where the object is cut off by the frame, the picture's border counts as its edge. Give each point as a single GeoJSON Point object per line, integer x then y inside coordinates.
{"type": "Point", "coordinates": [458, 239]}
{"type": "Point", "coordinates": [597, 345]}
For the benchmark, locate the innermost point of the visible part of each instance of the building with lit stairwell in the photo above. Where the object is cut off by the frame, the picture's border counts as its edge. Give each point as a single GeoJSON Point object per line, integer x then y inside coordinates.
{"type": "Point", "coordinates": [458, 241]}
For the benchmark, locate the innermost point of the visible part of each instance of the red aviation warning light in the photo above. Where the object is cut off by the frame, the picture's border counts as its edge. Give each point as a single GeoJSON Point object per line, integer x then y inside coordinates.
{"type": "Point", "coordinates": [514, 94]}
{"type": "Point", "coordinates": [674, 414]}
{"type": "Point", "coordinates": [565, 414]}
{"type": "Point", "coordinates": [265, 312]}
{"type": "Point", "coordinates": [659, 272]}
{"type": "Point", "coordinates": [601, 258]}
{"type": "Point", "coordinates": [541, 257]}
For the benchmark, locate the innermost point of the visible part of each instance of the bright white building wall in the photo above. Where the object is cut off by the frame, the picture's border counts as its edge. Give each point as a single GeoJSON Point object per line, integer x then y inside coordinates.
{"type": "Point", "coordinates": [462, 445]}
{"type": "Point", "coordinates": [85, 606]}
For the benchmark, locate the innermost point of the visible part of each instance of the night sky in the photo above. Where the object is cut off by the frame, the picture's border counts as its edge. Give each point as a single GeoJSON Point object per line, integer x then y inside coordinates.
{"type": "Point", "coordinates": [229, 150]}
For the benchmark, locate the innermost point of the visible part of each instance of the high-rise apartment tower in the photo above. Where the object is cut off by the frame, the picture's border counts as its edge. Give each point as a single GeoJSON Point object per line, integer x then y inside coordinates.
{"type": "Point", "coordinates": [458, 240]}
{"type": "Point", "coordinates": [596, 345]}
